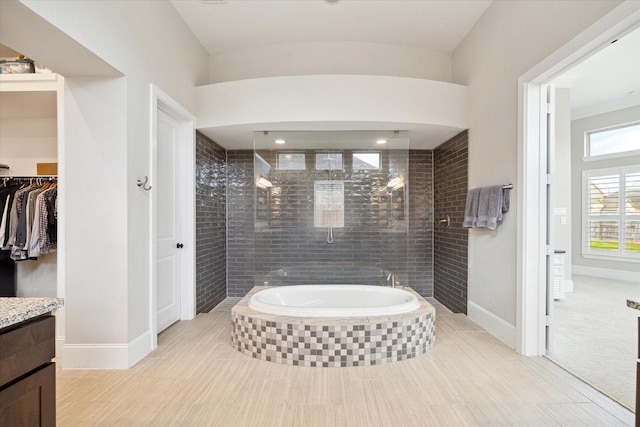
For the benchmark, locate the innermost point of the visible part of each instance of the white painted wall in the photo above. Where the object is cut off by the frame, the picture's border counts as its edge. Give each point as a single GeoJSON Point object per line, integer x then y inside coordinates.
{"type": "Point", "coordinates": [330, 57]}
{"type": "Point", "coordinates": [562, 180]}
{"type": "Point", "coordinates": [26, 142]}
{"type": "Point", "coordinates": [95, 214]}
{"type": "Point", "coordinates": [322, 99]}
{"type": "Point", "coordinates": [38, 278]}
{"type": "Point", "coordinates": [107, 137]}
{"type": "Point", "coordinates": [508, 40]}
{"type": "Point", "coordinates": [578, 129]}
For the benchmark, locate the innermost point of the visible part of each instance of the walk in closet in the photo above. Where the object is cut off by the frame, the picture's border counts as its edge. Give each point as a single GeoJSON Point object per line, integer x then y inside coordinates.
{"type": "Point", "coordinates": [29, 135]}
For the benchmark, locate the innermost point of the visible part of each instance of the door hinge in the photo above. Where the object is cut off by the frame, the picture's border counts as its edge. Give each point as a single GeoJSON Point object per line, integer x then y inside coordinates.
{"type": "Point", "coordinates": [548, 321]}
{"type": "Point", "coordinates": [550, 108]}
{"type": "Point", "coordinates": [549, 178]}
{"type": "Point", "coordinates": [548, 249]}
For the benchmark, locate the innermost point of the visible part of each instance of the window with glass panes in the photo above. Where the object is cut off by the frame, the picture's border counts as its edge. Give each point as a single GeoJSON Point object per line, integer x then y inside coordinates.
{"type": "Point", "coordinates": [612, 212]}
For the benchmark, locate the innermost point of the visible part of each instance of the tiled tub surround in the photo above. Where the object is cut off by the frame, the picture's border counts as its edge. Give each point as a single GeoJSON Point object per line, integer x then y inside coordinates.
{"type": "Point", "coordinates": [332, 342]}
{"type": "Point", "coordinates": [253, 251]}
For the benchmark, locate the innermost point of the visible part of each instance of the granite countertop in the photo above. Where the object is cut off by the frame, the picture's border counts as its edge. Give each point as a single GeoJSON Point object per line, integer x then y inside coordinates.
{"type": "Point", "coordinates": [634, 303]}
{"type": "Point", "coordinates": [16, 310]}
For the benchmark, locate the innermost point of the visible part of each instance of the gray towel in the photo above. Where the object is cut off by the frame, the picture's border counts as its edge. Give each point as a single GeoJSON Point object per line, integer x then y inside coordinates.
{"type": "Point", "coordinates": [490, 207]}
{"type": "Point", "coordinates": [505, 200]}
{"type": "Point", "coordinates": [471, 208]}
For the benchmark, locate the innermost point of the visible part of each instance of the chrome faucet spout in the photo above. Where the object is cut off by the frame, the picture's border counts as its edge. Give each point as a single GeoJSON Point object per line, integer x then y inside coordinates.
{"type": "Point", "coordinates": [391, 277]}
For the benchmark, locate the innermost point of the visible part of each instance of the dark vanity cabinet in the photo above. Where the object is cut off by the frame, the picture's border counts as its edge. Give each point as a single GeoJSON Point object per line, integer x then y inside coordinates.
{"type": "Point", "coordinates": [27, 373]}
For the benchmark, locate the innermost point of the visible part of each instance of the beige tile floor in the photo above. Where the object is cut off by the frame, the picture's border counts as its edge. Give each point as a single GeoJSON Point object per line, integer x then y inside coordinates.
{"type": "Point", "coordinates": [195, 378]}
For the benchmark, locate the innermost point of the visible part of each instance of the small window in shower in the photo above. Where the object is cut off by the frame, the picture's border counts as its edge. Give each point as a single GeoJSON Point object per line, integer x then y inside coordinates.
{"type": "Point", "coordinates": [291, 161]}
{"type": "Point", "coordinates": [329, 203]}
{"type": "Point", "coordinates": [328, 161]}
{"type": "Point", "coordinates": [366, 160]}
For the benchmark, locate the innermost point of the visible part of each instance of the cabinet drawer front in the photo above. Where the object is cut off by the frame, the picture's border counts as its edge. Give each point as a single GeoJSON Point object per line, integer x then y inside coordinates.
{"type": "Point", "coordinates": [24, 349]}
{"type": "Point", "coordinates": [31, 401]}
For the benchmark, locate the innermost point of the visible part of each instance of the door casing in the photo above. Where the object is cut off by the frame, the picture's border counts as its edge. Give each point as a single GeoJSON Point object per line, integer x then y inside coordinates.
{"type": "Point", "coordinates": [160, 100]}
{"type": "Point", "coordinates": [532, 224]}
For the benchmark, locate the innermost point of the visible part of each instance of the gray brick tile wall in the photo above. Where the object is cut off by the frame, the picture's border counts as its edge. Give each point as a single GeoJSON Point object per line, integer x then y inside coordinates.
{"type": "Point", "coordinates": [450, 262]}
{"type": "Point", "coordinates": [420, 242]}
{"type": "Point", "coordinates": [211, 227]}
{"type": "Point", "coordinates": [240, 222]}
{"type": "Point", "coordinates": [424, 255]}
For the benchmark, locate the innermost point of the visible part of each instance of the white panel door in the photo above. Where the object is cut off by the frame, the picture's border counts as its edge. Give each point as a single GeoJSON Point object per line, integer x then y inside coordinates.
{"type": "Point", "coordinates": [168, 221]}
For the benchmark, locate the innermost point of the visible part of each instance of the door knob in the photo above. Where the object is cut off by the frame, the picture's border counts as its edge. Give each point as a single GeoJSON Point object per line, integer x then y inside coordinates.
{"type": "Point", "coordinates": [179, 246]}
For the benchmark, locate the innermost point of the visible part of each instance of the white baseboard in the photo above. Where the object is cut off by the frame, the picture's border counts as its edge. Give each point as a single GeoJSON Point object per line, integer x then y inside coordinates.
{"type": "Point", "coordinates": [139, 347]}
{"type": "Point", "coordinates": [104, 356]}
{"type": "Point", "coordinates": [94, 356]}
{"type": "Point", "coordinates": [567, 286]}
{"type": "Point", "coordinates": [604, 273]}
{"type": "Point", "coordinates": [500, 328]}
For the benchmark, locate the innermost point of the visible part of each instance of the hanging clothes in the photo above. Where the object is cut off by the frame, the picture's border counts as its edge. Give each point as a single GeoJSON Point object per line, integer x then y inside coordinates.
{"type": "Point", "coordinates": [29, 219]}
{"type": "Point", "coordinates": [6, 199]}
{"type": "Point", "coordinates": [44, 236]}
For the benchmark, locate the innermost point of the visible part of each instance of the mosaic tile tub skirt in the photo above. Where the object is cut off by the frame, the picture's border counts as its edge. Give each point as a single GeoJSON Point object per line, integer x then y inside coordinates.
{"type": "Point", "coordinates": [332, 342]}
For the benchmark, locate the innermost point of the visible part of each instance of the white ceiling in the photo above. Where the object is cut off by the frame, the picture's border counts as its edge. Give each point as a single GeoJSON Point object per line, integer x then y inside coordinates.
{"type": "Point", "coordinates": [608, 80]}
{"type": "Point", "coordinates": [227, 25]}
{"type": "Point", "coordinates": [601, 83]}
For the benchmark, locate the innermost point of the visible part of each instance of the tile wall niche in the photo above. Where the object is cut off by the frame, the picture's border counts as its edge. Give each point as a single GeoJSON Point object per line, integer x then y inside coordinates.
{"type": "Point", "coordinates": [450, 260]}
{"type": "Point", "coordinates": [211, 227]}
{"type": "Point", "coordinates": [367, 244]}
{"type": "Point", "coordinates": [372, 240]}
{"type": "Point", "coordinates": [436, 259]}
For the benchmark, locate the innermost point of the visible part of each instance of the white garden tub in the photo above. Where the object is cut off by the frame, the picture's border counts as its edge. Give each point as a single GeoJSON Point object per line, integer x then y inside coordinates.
{"type": "Point", "coordinates": [333, 301]}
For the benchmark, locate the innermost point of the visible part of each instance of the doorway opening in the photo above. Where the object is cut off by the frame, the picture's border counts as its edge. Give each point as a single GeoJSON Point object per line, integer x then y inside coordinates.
{"type": "Point", "coordinates": [553, 318]}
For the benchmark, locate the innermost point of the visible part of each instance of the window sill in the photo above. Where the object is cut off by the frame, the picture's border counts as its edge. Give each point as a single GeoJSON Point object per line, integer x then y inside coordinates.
{"type": "Point", "coordinates": [614, 258]}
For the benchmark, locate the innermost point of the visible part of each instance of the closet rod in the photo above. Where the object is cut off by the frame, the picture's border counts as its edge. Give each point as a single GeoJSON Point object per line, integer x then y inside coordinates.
{"type": "Point", "coordinates": [508, 186]}
{"type": "Point", "coordinates": [27, 176]}
{"type": "Point", "coordinates": [34, 178]}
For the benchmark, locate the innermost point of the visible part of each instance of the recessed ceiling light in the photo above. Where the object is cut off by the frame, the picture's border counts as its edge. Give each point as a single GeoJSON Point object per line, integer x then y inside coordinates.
{"type": "Point", "coordinates": [279, 141]}
{"type": "Point", "coordinates": [381, 141]}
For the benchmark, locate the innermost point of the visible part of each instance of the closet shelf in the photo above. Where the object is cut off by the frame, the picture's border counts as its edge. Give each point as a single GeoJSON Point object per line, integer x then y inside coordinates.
{"type": "Point", "coordinates": [31, 82]}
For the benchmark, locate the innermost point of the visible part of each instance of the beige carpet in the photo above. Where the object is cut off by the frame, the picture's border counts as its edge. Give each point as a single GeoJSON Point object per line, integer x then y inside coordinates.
{"type": "Point", "coordinates": [596, 335]}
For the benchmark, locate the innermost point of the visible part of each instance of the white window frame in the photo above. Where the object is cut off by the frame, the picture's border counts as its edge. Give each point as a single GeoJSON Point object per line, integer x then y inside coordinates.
{"type": "Point", "coordinates": [621, 217]}
{"type": "Point", "coordinates": [379, 153]}
{"type": "Point", "coordinates": [284, 153]}
{"type": "Point", "coordinates": [329, 153]}
{"type": "Point", "coordinates": [587, 157]}
{"type": "Point", "coordinates": [336, 187]}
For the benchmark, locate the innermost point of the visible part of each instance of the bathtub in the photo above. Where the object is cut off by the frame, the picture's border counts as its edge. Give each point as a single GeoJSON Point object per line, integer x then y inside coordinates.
{"type": "Point", "coordinates": [332, 325]}
{"type": "Point", "coordinates": [326, 274]}
{"type": "Point", "coordinates": [333, 301]}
